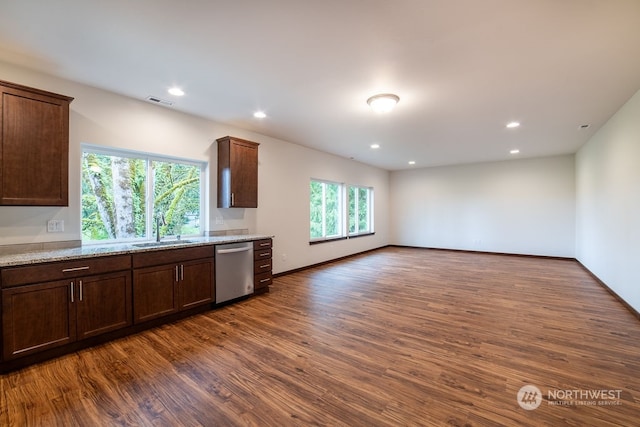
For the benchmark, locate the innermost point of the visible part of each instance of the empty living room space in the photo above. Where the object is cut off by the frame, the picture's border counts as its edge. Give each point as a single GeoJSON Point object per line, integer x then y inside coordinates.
{"type": "Point", "coordinates": [319, 213]}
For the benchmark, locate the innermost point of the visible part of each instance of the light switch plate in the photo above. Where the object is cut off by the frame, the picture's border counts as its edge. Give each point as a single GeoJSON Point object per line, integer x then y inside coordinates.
{"type": "Point", "coordinates": [55, 226]}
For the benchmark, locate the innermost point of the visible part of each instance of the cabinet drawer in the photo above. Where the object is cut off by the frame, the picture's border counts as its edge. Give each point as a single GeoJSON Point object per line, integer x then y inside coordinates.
{"type": "Point", "coordinates": [48, 272]}
{"type": "Point", "coordinates": [262, 244]}
{"type": "Point", "coordinates": [262, 266]}
{"type": "Point", "coordinates": [169, 256]}
{"type": "Point", "coordinates": [262, 280]}
{"type": "Point", "coordinates": [261, 254]}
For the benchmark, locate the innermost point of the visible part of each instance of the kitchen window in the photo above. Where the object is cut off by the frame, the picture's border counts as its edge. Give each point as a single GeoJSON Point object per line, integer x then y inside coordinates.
{"type": "Point", "coordinates": [126, 194]}
{"type": "Point", "coordinates": [331, 218]}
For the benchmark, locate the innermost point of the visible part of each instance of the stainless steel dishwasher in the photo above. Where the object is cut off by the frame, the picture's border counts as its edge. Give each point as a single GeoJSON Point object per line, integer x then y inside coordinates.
{"type": "Point", "coordinates": [234, 271]}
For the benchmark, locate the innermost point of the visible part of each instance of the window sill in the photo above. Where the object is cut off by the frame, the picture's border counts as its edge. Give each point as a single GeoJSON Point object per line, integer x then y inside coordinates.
{"type": "Point", "coordinates": [333, 239]}
{"type": "Point", "coordinates": [354, 236]}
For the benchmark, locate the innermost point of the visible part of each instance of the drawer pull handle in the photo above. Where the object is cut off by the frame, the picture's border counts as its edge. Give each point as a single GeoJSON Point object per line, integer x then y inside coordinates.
{"type": "Point", "coordinates": [265, 244]}
{"type": "Point", "coordinates": [68, 270]}
{"type": "Point", "coordinates": [265, 254]}
{"type": "Point", "coordinates": [264, 266]}
{"type": "Point", "coordinates": [234, 250]}
{"type": "Point", "coordinates": [265, 280]}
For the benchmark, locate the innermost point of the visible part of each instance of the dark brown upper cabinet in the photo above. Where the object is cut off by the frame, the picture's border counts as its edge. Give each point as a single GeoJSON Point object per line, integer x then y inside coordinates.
{"type": "Point", "coordinates": [237, 173]}
{"type": "Point", "coordinates": [34, 147]}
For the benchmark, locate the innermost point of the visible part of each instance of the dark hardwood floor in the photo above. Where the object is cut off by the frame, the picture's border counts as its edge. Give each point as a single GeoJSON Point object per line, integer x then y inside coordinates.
{"type": "Point", "coordinates": [395, 337]}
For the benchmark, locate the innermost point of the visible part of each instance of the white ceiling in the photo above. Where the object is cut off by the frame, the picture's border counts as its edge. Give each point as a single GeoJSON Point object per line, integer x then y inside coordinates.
{"type": "Point", "coordinates": [462, 68]}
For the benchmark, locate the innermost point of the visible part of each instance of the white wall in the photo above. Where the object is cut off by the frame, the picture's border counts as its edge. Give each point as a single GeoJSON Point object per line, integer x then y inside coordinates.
{"type": "Point", "coordinates": [522, 206]}
{"type": "Point", "coordinates": [104, 118]}
{"type": "Point", "coordinates": [608, 203]}
{"type": "Point", "coordinates": [285, 172]}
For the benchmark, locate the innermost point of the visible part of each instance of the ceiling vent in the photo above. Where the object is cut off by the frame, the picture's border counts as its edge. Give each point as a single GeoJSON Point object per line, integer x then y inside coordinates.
{"type": "Point", "coordinates": [157, 100]}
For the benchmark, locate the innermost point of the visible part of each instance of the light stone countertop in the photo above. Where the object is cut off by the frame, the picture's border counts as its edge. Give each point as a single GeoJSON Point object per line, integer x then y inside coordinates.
{"type": "Point", "coordinates": [90, 251]}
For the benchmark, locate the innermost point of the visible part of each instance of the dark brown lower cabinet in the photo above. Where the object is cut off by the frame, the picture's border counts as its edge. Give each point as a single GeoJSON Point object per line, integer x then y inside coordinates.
{"type": "Point", "coordinates": [155, 292]}
{"type": "Point", "coordinates": [164, 289]}
{"type": "Point", "coordinates": [262, 265]}
{"type": "Point", "coordinates": [104, 304]}
{"type": "Point", "coordinates": [55, 304]}
{"type": "Point", "coordinates": [42, 316]}
{"type": "Point", "coordinates": [196, 284]}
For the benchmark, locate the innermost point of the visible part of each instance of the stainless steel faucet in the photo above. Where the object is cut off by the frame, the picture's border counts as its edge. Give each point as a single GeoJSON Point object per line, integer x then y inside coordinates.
{"type": "Point", "coordinates": [159, 222]}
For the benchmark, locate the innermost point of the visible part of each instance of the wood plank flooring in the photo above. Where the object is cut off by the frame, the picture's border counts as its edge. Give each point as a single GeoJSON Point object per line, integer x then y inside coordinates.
{"type": "Point", "coordinates": [394, 337]}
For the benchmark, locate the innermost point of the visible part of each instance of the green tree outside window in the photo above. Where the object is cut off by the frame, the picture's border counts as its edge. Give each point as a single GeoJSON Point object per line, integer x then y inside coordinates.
{"type": "Point", "coordinates": [122, 194]}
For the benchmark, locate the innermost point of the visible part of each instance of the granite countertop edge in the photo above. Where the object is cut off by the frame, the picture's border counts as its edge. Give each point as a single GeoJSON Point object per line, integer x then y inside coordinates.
{"type": "Point", "coordinates": [98, 250]}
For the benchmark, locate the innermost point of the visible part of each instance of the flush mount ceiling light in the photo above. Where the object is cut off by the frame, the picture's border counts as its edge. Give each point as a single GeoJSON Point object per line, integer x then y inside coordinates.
{"type": "Point", "coordinates": [383, 103]}
{"type": "Point", "coordinates": [176, 91]}
{"type": "Point", "coordinates": [259, 114]}
{"type": "Point", "coordinates": [512, 125]}
{"type": "Point", "coordinates": [375, 146]}
{"type": "Point", "coordinates": [514, 151]}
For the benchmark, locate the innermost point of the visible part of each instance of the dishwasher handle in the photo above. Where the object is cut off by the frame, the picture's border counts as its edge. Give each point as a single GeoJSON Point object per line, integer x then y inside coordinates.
{"type": "Point", "coordinates": [233, 250]}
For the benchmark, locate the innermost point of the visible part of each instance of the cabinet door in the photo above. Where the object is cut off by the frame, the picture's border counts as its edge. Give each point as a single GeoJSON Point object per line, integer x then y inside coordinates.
{"type": "Point", "coordinates": [196, 283]}
{"type": "Point", "coordinates": [237, 173]}
{"type": "Point", "coordinates": [35, 148]}
{"type": "Point", "coordinates": [154, 292]}
{"type": "Point", "coordinates": [244, 176]}
{"type": "Point", "coordinates": [103, 303]}
{"type": "Point", "coordinates": [37, 317]}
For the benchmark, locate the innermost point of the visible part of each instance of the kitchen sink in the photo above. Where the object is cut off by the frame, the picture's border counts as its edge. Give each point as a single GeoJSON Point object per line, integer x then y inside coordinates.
{"type": "Point", "coordinates": [161, 243]}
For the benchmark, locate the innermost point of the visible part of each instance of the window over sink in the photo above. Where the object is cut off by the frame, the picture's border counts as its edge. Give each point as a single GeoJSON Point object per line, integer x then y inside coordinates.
{"type": "Point", "coordinates": [126, 194]}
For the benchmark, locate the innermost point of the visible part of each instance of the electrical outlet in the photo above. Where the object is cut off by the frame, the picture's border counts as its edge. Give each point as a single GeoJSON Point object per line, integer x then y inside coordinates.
{"type": "Point", "coordinates": [219, 220]}
{"type": "Point", "coordinates": [55, 226]}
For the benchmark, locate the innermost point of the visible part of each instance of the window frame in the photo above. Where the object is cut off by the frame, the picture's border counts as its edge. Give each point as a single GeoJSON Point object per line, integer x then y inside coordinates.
{"type": "Point", "coordinates": [149, 159]}
{"type": "Point", "coordinates": [370, 204]}
{"type": "Point", "coordinates": [344, 214]}
{"type": "Point", "coordinates": [340, 214]}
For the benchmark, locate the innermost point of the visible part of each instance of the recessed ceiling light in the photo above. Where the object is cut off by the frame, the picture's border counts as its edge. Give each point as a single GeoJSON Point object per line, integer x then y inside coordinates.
{"type": "Point", "coordinates": [412, 162]}
{"type": "Point", "coordinates": [516, 151]}
{"type": "Point", "coordinates": [375, 146]}
{"type": "Point", "coordinates": [176, 91]}
{"type": "Point", "coordinates": [383, 103]}
{"type": "Point", "coordinates": [259, 115]}
{"type": "Point", "coordinates": [513, 125]}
